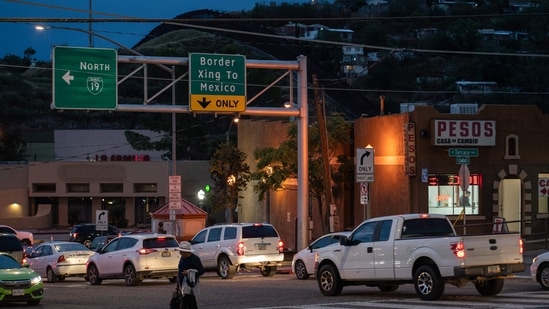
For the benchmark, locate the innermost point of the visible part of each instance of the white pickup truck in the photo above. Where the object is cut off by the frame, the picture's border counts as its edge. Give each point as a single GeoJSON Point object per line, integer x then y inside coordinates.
{"type": "Point", "coordinates": [422, 249]}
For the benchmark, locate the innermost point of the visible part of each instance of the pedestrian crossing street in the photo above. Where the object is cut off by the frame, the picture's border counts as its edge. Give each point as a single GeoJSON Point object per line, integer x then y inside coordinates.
{"type": "Point", "coordinates": [524, 300]}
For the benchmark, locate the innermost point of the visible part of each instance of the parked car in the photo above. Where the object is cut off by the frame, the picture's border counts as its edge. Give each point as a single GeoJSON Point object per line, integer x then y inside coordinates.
{"type": "Point", "coordinates": [303, 263]}
{"type": "Point", "coordinates": [539, 270]}
{"type": "Point", "coordinates": [11, 245]}
{"type": "Point", "coordinates": [86, 233]}
{"type": "Point", "coordinates": [100, 241]}
{"type": "Point", "coordinates": [26, 238]}
{"type": "Point", "coordinates": [227, 248]}
{"type": "Point", "coordinates": [57, 260]}
{"type": "Point", "coordinates": [19, 283]}
{"type": "Point", "coordinates": [135, 257]}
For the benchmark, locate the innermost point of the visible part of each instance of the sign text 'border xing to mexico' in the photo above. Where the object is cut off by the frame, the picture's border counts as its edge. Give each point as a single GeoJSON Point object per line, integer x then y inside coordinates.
{"type": "Point", "coordinates": [217, 83]}
{"type": "Point", "coordinates": [85, 78]}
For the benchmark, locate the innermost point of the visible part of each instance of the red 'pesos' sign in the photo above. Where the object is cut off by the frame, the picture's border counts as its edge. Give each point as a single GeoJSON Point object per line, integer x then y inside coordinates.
{"type": "Point", "coordinates": [464, 132]}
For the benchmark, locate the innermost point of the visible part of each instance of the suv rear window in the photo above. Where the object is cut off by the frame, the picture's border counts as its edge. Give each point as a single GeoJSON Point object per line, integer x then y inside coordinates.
{"type": "Point", "coordinates": [160, 242]}
{"type": "Point", "coordinates": [259, 231]}
{"type": "Point", "coordinates": [10, 244]}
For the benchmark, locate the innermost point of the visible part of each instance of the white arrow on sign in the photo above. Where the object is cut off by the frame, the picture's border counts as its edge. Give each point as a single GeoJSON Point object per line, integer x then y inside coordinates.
{"type": "Point", "coordinates": [67, 77]}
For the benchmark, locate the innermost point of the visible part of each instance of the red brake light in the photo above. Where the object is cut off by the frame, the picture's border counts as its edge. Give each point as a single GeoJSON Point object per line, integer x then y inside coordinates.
{"type": "Point", "coordinates": [280, 246]}
{"type": "Point", "coordinates": [145, 251]}
{"type": "Point", "coordinates": [61, 259]}
{"type": "Point", "coordinates": [459, 249]}
{"type": "Point", "coordinates": [240, 248]}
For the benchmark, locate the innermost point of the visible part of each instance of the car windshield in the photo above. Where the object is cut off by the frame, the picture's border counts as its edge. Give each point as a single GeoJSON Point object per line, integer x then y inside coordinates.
{"type": "Point", "coordinates": [160, 242]}
{"type": "Point", "coordinates": [70, 247]}
{"type": "Point", "coordinates": [7, 262]}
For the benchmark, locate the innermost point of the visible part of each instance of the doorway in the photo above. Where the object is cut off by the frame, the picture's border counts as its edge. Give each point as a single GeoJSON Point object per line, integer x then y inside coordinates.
{"type": "Point", "coordinates": [510, 203]}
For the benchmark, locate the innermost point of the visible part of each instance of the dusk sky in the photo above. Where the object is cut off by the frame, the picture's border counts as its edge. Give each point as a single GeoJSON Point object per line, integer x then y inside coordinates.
{"type": "Point", "coordinates": [16, 37]}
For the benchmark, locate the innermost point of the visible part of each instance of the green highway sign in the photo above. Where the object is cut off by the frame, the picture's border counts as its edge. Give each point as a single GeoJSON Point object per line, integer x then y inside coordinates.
{"type": "Point", "coordinates": [217, 83]}
{"type": "Point", "coordinates": [463, 160]}
{"type": "Point", "coordinates": [85, 78]}
{"type": "Point", "coordinates": [463, 152]}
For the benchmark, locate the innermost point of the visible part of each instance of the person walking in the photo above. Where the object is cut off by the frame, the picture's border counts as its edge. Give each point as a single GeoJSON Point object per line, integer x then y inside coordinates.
{"type": "Point", "coordinates": [190, 269]}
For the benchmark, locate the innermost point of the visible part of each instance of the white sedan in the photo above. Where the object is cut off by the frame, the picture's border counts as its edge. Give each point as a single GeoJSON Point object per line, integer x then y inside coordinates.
{"type": "Point", "coordinates": [539, 270]}
{"type": "Point", "coordinates": [303, 263]}
{"type": "Point", "coordinates": [57, 260]}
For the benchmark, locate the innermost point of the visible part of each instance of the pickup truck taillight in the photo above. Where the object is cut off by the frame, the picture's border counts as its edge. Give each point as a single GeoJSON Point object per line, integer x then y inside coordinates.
{"type": "Point", "coordinates": [521, 246]}
{"type": "Point", "coordinates": [459, 249]}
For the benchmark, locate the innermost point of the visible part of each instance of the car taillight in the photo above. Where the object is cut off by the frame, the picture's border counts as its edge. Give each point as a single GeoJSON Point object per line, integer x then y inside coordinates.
{"type": "Point", "coordinates": [61, 259]}
{"type": "Point", "coordinates": [145, 251]}
{"type": "Point", "coordinates": [280, 246]}
{"type": "Point", "coordinates": [521, 246]}
{"type": "Point", "coordinates": [240, 248]}
{"type": "Point", "coordinates": [459, 249]}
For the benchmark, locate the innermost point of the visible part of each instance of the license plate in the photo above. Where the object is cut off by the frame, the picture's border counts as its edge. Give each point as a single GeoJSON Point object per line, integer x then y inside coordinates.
{"type": "Point", "coordinates": [166, 254]}
{"type": "Point", "coordinates": [18, 292]}
{"type": "Point", "coordinates": [494, 269]}
{"type": "Point", "coordinates": [261, 246]}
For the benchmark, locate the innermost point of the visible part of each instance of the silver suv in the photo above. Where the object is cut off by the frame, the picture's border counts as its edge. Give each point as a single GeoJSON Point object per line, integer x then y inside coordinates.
{"type": "Point", "coordinates": [228, 248]}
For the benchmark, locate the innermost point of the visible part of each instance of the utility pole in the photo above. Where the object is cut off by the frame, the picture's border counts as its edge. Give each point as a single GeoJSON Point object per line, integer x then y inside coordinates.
{"type": "Point", "coordinates": [323, 134]}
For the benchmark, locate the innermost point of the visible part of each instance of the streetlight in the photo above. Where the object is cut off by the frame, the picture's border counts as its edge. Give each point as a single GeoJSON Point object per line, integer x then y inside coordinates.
{"type": "Point", "coordinates": [136, 53]}
{"type": "Point", "coordinates": [201, 195]}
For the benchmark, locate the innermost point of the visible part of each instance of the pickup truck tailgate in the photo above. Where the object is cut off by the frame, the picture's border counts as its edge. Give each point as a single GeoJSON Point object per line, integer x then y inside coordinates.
{"type": "Point", "coordinates": [492, 249]}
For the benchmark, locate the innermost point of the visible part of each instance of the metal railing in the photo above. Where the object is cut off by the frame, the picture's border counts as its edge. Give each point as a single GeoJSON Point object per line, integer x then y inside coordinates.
{"type": "Point", "coordinates": [536, 239]}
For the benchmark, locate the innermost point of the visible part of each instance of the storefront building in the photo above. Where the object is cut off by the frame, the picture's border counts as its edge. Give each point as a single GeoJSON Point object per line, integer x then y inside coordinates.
{"type": "Point", "coordinates": [87, 175]}
{"type": "Point", "coordinates": [492, 164]}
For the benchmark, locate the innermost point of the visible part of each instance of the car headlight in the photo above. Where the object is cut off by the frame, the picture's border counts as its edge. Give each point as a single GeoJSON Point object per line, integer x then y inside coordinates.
{"type": "Point", "coordinates": [535, 259]}
{"type": "Point", "coordinates": [36, 280]}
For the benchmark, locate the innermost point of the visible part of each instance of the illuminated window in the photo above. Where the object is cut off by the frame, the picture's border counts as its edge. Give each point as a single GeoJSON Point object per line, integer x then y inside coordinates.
{"type": "Point", "coordinates": [446, 196]}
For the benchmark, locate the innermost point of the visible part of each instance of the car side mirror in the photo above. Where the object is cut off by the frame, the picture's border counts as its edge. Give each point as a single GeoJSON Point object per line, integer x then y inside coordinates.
{"type": "Point", "coordinates": [310, 248]}
{"type": "Point", "coordinates": [343, 241]}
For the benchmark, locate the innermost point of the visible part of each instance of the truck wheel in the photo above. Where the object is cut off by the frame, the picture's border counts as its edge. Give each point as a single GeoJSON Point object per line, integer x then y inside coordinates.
{"type": "Point", "coordinates": [489, 287]}
{"type": "Point", "coordinates": [268, 271]}
{"type": "Point", "coordinates": [428, 284]}
{"type": "Point", "coordinates": [225, 269]}
{"type": "Point", "coordinates": [388, 288]}
{"type": "Point", "coordinates": [329, 281]}
{"type": "Point", "coordinates": [543, 276]}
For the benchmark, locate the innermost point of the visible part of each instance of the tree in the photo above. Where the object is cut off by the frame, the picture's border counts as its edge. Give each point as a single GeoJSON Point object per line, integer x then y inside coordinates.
{"type": "Point", "coordinates": [231, 175]}
{"type": "Point", "coordinates": [276, 165]}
